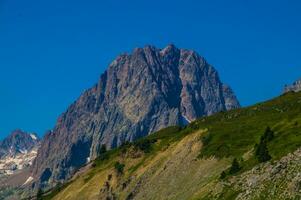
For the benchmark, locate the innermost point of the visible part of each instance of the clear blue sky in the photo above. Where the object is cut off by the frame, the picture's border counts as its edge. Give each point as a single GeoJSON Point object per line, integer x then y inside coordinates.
{"type": "Point", "coordinates": [51, 50]}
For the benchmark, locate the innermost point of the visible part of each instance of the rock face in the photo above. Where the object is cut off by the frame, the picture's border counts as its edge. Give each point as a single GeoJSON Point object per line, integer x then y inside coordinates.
{"type": "Point", "coordinates": [17, 151]}
{"type": "Point", "coordinates": [295, 87]}
{"type": "Point", "coordinates": [137, 95]}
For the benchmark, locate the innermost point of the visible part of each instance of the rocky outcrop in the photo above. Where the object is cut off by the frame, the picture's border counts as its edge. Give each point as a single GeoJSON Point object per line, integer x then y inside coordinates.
{"type": "Point", "coordinates": [17, 151]}
{"type": "Point", "coordinates": [137, 95]}
{"type": "Point", "coordinates": [230, 100]}
{"type": "Point", "coordinates": [295, 87]}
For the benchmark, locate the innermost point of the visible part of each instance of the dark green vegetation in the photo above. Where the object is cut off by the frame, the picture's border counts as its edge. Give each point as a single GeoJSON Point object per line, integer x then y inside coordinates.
{"type": "Point", "coordinates": [261, 149]}
{"type": "Point", "coordinates": [274, 126]}
{"type": "Point", "coordinates": [48, 195]}
{"type": "Point", "coordinates": [119, 167]}
{"type": "Point", "coordinates": [234, 167]}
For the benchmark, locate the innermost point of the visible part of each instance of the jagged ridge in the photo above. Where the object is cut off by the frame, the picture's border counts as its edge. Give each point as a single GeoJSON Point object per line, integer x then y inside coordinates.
{"type": "Point", "coordinates": [137, 95]}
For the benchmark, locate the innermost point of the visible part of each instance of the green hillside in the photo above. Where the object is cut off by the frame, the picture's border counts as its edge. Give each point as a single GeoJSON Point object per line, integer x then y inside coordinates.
{"type": "Point", "coordinates": [187, 163]}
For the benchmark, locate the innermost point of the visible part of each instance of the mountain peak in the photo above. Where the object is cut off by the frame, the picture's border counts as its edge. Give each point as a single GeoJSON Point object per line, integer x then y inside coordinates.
{"type": "Point", "coordinates": [138, 94]}
{"type": "Point", "coordinates": [18, 141]}
{"type": "Point", "coordinates": [17, 151]}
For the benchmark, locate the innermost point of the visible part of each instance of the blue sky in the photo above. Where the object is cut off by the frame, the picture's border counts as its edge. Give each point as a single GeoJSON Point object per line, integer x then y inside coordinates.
{"type": "Point", "coordinates": [52, 50]}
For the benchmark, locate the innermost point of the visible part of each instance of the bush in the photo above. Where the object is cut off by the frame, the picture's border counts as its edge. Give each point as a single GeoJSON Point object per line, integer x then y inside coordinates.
{"type": "Point", "coordinates": [144, 145]}
{"type": "Point", "coordinates": [119, 167]}
{"type": "Point", "coordinates": [103, 153]}
{"type": "Point", "coordinates": [234, 167]}
{"type": "Point", "coordinates": [223, 175]}
{"type": "Point", "coordinates": [206, 138]}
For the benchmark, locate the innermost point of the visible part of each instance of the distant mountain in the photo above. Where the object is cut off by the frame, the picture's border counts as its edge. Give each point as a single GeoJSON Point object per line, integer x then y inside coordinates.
{"type": "Point", "coordinates": [138, 94]}
{"type": "Point", "coordinates": [17, 151]}
{"type": "Point", "coordinates": [295, 87]}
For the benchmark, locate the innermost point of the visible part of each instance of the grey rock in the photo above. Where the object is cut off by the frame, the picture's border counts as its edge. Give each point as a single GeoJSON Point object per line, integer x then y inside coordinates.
{"type": "Point", "coordinates": [295, 87]}
{"type": "Point", "coordinates": [138, 94]}
{"type": "Point", "coordinates": [17, 151]}
{"type": "Point", "coordinates": [17, 142]}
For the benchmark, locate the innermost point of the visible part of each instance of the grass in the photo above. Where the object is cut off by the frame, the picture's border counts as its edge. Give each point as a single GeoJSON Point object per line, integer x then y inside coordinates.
{"type": "Point", "coordinates": [236, 132]}
{"type": "Point", "coordinates": [49, 195]}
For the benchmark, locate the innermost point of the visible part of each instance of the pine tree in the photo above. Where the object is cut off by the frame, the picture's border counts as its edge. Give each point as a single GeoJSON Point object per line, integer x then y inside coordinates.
{"type": "Point", "coordinates": [234, 167]}
{"type": "Point", "coordinates": [262, 152]}
{"type": "Point", "coordinates": [268, 134]}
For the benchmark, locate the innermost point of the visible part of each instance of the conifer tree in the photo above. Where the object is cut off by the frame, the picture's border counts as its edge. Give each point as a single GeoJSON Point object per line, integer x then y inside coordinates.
{"type": "Point", "coordinates": [262, 152]}
{"type": "Point", "coordinates": [234, 167]}
{"type": "Point", "coordinates": [268, 134]}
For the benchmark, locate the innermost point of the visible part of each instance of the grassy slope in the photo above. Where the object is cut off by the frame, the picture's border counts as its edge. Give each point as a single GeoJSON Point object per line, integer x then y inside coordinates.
{"type": "Point", "coordinates": [236, 132]}
{"type": "Point", "coordinates": [228, 134]}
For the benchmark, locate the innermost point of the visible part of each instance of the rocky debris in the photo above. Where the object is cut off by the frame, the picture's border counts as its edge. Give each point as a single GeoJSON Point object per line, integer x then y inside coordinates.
{"type": "Point", "coordinates": [272, 180]}
{"type": "Point", "coordinates": [137, 95]}
{"type": "Point", "coordinates": [295, 87]}
{"type": "Point", "coordinates": [10, 164]}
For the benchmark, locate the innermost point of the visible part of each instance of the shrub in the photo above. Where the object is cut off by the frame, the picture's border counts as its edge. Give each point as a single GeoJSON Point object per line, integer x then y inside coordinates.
{"type": "Point", "coordinates": [144, 145]}
{"type": "Point", "coordinates": [234, 167]}
{"type": "Point", "coordinates": [119, 167]}
{"type": "Point", "coordinates": [103, 153]}
{"type": "Point", "coordinates": [223, 175]}
{"type": "Point", "coordinates": [206, 138]}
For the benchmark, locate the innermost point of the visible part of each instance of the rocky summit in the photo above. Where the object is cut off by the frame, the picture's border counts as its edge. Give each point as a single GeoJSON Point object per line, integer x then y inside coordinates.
{"type": "Point", "coordinates": [17, 151]}
{"type": "Point", "coordinates": [295, 87]}
{"type": "Point", "coordinates": [138, 94]}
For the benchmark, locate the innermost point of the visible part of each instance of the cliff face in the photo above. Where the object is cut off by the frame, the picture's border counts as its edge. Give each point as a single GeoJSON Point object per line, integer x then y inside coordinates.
{"type": "Point", "coordinates": [137, 95]}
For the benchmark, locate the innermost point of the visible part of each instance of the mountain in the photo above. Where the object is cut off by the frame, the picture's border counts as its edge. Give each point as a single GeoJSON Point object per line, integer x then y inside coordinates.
{"type": "Point", "coordinates": [17, 151]}
{"type": "Point", "coordinates": [295, 87]}
{"type": "Point", "coordinates": [195, 162]}
{"type": "Point", "coordinates": [138, 94]}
